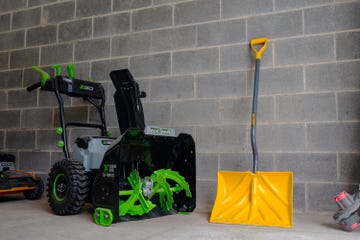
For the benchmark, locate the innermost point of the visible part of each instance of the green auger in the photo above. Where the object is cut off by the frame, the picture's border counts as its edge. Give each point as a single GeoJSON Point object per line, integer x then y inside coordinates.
{"type": "Point", "coordinates": [162, 187]}
{"type": "Point", "coordinates": [129, 206]}
{"type": "Point", "coordinates": [149, 186]}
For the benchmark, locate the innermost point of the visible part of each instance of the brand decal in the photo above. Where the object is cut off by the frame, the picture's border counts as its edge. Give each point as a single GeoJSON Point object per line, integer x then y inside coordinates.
{"type": "Point", "coordinates": [87, 88]}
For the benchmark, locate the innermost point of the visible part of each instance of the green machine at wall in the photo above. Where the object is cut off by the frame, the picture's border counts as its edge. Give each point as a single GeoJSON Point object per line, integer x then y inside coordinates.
{"type": "Point", "coordinates": [146, 172]}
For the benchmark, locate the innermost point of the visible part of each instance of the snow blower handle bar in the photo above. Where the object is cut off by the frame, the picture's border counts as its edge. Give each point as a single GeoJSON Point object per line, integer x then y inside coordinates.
{"type": "Point", "coordinates": [258, 54]}
{"type": "Point", "coordinates": [258, 41]}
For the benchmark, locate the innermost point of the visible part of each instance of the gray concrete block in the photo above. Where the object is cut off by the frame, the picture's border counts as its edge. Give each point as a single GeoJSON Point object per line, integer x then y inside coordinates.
{"type": "Point", "coordinates": [58, 12]}
{"type": "Point", "coordinates": [110, 116]}
{"type": "Point", "coordinates": [332, 18]}
{"type": "Point", "coordinates": [195, 61]}
{"type": "Point", "coordinates": [150, 65]}
{"type": "Point", "coordinates": [321, 196]}
{"type": "Point", "coordinates": [349, 166]}
{"type": "Point", "coordinates": [299, 197]}
{"type": "Point", "coordinates": [9, 5]}
{"type": "Point", "coordinates": [39, 2]}
{"type": "Point", "coordinates": [169, 88]}
{"type": "Point", "coordinates": [333, 76]}
{"type": "Point", "coordinates": [4, 60]}
{"type": "Point", "coordinates": [131, 44]}
{"type": "Point", "coordinates": [112, 24]}
{"type": "Point", "coordinates": [85, 8]}
{"type": "Point", "coordinates": [306, 107]}
{"type": "Point", "coordinates": [12, 40]}
{"type": "Point", "coordinates": [347, 46]}
{"type": "Point", "coordinates": [304, 50]}
{"type": "Point", "coordinates": [72, 114]}
{"type": "Point", "coordinates": [35, 161]}
{"type": "Point", "coordinates": [281, 137]}
{"type": "Point", "coordinates": [109, 92]}
{"type": "Point", "coordinates": [206, 193]}
{"type": "Point", "coordinates": [16, 139]}
{"type": "Point", "coordinates": [239, 110]}
{"type": "Point", "coordinates": [208, 139]}
{"type": "Point", "coordinates": [197, 11]}
{"type": "Point", "coordinates": [308, 166]}
{"type": "Point", "coordinates": [21, 99]}
{"type": "Point", "coordinates": [236, 8]}
{"type": "Point", "coordinates": [120, 5]}
{"type": "Point", "coordinates": [241, 57]}
{"type": "Point", "coordinates": [2, 134]}
{"type": "Point", "coordinates": [37, 118]}
{"type": "Point", "coordinates": [26, 18]}
{"type": "Point", "coordinates": [348, 105]}
{"type": "Point", "coordinates": [206, 166]}
{"type": "Point", "coordinates": [229, 84]}
{"type": "Point", "coordinates": [10, 119]}
{"type": "Point", "coordinates": [75, 30]}
{"type": "Point", "coordinates": [5, 22]}
{"type": "Point", "coordinates": [55, 54]}
{"type": "Point", "coordinates": [243, 162]}
{"type": "Point", "coordinates": [100, 70]}
{"type": "Point", "coordinates": [92, 49]}
{"type": "Point", "coordinates": [46, 140]}
{"type": "Point", "coordinates": [276, 25]}
{"type": "Point", "coordinates": [48, 99]}
{"type": "Point", "coordinates": [41, 35]}
{"type": "Point", "coordinates": [221, 33]}
{"type": "Point", "coordinates": [3, 101]}
{"type": "Point", "coordinates": [278, 80]}
{"type": "Point", "coordinates": [195, 112]}
{"type": "Point", "coordinates": [158, 2]}
{"type": "Point", "coordinates": [150, 18]}
{"type": "Point", "coordinates": [11, 79]}
{"type": "Point", "coordinates": [174, 38]}
{"type": "Point", "coordinates": [333, 137]}
{"type": "Point", "coordinates": [215, 139]}
{"type": "Point", "coordinates": [286, 4]}
{"type": "Point", "coordinates": [157, 113]}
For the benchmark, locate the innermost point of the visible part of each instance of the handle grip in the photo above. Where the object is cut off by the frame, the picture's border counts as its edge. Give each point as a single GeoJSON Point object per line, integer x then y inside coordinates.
{"type": "Point", "coordinates": [258, 41]}
{"type": "Point", "coordinates": [33, 87]}
{"type": "Point", "coordinates": [70, 69]}
{"type": "Point", "coordinates": [44, 75]}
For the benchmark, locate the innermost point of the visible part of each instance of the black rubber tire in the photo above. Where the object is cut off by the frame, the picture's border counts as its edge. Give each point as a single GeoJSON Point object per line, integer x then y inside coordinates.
{"type": "Point", "coordinates": [68, 187]}
{"type": "Point", "coordinates": [37, 192]}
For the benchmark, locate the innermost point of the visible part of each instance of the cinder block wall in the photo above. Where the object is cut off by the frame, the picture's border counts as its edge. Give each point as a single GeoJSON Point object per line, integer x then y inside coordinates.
{"type": "Point", "coordinates": [193, 60]}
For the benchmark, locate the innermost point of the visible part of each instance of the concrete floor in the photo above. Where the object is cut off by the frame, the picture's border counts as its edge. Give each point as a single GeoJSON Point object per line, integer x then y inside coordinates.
{"type": "Point", "coordinates": [24, 219]}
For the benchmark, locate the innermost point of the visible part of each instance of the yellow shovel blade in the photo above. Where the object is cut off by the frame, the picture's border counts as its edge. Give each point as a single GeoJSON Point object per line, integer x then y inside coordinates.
{"type": "Point", "coordinates": [263, 198]}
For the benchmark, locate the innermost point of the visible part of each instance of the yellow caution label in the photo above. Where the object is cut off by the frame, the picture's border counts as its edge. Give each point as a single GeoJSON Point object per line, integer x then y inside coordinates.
{"type": "Point", "coordinates": [253, 119]}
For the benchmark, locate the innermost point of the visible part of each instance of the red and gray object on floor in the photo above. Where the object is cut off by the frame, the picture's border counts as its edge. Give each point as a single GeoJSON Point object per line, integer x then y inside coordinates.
{"type": "Point", "coordinates": [348, 215]}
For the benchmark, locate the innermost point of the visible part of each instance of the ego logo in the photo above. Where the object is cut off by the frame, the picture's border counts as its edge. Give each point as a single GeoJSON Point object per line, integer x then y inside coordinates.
{"type": "Point", "coordinates": [87, 88]}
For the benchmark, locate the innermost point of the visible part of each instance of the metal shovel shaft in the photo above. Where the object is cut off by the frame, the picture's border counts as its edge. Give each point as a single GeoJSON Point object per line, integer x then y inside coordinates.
{"type": "Point", "coordinates": [253, 117]}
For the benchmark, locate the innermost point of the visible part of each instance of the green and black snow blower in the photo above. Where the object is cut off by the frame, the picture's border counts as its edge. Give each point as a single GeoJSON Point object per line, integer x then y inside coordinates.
{"type": "Point", "coordinates": [146, 172]}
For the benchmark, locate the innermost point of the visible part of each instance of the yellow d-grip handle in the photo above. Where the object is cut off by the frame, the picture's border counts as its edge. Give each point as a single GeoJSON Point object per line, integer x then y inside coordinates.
{"type": "Point", "coordinates": [258, 41]}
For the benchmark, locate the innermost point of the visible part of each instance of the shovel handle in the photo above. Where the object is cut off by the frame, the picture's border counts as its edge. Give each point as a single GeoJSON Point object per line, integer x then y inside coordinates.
{"type": "Point", "coordinates": [258, 41]}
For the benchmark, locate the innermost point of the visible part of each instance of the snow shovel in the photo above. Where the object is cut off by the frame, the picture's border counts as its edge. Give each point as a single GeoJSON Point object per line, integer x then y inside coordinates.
{"type": "Point", "coordinates": [254, 198]}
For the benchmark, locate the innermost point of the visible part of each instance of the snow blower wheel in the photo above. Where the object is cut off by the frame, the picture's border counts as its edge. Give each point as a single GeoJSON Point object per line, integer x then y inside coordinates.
{"type": "Point", "coordinates": [68, 187]}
